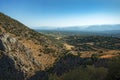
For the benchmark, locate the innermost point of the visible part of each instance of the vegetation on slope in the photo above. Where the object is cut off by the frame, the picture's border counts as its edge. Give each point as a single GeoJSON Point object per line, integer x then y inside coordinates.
{"type": "Point", "coordinates": [94, 42]}
{"type": "Point", "coordinates": [14, 27]}
{"type": "Point", "coordinates": [91, 72]}
{"type": "Point", "coordinates": [29, 50]}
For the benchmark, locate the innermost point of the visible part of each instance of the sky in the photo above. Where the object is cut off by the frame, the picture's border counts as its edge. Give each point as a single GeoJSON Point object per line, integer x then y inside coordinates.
{"type": "Point", "coordinates": [62, 13]}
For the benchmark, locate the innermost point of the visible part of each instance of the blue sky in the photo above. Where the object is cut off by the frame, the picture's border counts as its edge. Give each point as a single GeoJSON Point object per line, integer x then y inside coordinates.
{"type": "Point", "coordinates": [62, 13]}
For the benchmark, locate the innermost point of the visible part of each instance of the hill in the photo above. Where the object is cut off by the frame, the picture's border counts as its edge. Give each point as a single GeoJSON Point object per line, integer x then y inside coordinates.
{"type": "Point", "coordinates": [23, 50]}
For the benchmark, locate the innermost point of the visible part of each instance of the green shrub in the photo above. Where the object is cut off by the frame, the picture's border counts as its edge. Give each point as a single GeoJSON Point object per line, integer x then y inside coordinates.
{"type": "Point", "coordinates": [114, 69]}
{"type": "Point", "coordinates": [53, 77]}
{"type": "Point", "coordinates": [49, 50]}
{"type": "Point", "coordinates": [88, 73]}
{"type": "Point", "coordinates": [82, 73]}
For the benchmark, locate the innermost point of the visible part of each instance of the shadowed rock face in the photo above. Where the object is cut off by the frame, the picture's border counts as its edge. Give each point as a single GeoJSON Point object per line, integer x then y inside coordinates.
{"type": "Point", "coordinates": [2, 48]}
{"type": "Point", "coordinates": [8, 69]}
{"type": "Point", "coordinates": [16, 61]}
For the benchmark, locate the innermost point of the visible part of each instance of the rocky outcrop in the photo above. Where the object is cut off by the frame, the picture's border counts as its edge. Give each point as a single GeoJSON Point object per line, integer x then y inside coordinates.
{"type": "Point", "coordinates": [8, 70]}
{"type": "Point", "coordinates": [16, 55]}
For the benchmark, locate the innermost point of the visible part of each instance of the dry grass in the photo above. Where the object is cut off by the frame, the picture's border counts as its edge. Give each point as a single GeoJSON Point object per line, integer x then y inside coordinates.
{"type": "Point", "coordinates": [107, 56]}
{"type": "Point", "coordinates": [45, 59]}
{"type": "Point", "coordinates": [68, 47]}
{"type": "Point", "coordinates": [2, 29]}
{"type": "Point", "coordinates": [58, 38]}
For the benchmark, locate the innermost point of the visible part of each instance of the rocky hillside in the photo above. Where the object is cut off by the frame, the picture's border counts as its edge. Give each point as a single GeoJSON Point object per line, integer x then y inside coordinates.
{"type": "Point", "coordinates": [15, 55]}
{"type": "Point", "coordinates": [23, 51]}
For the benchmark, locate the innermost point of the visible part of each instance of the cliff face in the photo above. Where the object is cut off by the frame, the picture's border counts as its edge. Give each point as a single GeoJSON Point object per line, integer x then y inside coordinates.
{"type": "Point", "coordinates": [20, 57]}
{"type": "Point", "coordinates": [23, 51]}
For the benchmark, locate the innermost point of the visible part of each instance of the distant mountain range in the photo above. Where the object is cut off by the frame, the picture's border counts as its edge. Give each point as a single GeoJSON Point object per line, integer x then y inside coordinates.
{"type": "Point", "coordinates": [113, 30]}
{"type": "Point", "coordinates": [103, 30]}
{"type": "Point", "coordinates": [92, 28]}
{"type": "Point", "coordinates": [103, 27]}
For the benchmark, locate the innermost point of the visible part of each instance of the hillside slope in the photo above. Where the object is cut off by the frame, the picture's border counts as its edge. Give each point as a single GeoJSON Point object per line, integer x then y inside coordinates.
{"type": "Point", "coordinates": [28, 50]}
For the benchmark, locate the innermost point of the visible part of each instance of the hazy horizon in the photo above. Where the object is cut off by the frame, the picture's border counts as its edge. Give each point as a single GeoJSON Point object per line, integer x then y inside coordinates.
{"type": "Point", "coordinates": [77, 26]}
{"type": "Point", "coordinates": [62, 13]}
